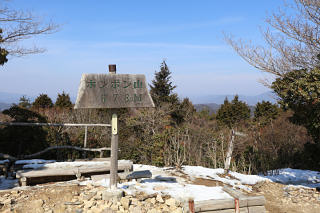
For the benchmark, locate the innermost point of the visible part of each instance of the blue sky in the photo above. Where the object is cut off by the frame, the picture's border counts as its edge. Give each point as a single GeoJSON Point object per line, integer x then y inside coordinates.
{"type": "Point", "coordinates": [137, 36]}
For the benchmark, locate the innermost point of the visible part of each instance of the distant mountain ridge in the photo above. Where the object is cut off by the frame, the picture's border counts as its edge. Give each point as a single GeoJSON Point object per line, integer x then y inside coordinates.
{"type": "Point", "coordinates": [250, 100]}
{"type": "Point", "coordinates": [4, 106]}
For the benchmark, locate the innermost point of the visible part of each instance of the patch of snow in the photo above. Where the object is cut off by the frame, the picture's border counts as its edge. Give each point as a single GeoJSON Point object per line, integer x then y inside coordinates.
{"type": "Point", "coordinates": [69, 164]}
{"type": "Point", "coordinates": [248, 179]}
{"type": "Point", "coordinates": [177, 190]}
{"type": "Point", "coordinates": [4, 161]}
{"type": "Point", "coordinates": [213, 174]}
{"type": "Point", "coordinates": [8, 183]}
{"type": "Point", "coordinates": [199, 171]}
{"type": "Point", "coordinates": [305, 178]}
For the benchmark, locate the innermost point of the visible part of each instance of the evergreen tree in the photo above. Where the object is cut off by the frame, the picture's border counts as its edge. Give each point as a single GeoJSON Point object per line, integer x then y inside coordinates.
{"type": "Point", "coordinates": [265, 112]}
{"type": "Point", "coordinates": [20, 140]}
{"type": "Point", "coordinates": [63, 101]}
{"type": "Point", "coordinates": [42, 101]}
{"type": "Point", "coordinates": [24, 102]}
{"type": "Point", "coordinates": [230, 114]}
{"type": "Point", "coordinates": [3, 52]}
{"type": "Point", "coordinates": [161, 88]}
{"type": "Point", "coordinates": [299, 91]}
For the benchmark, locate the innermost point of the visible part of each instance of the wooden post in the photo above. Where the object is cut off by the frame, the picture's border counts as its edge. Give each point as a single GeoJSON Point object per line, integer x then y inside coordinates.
{"type": "Point", "coordinates": [114, 142]}
{"type": "Point", "coordinates": [114, 152]}
{"type": "Point", "coordinates": [84, 154]}
{"type": "Point", "coordinates": [85, 136]}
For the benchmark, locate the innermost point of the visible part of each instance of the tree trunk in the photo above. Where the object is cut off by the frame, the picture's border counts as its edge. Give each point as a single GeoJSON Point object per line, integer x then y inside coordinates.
{"type": "Point", "coordinates": [229, 153]}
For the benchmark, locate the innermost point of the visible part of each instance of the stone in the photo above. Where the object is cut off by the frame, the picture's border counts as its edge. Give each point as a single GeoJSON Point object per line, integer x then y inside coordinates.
{"type": "Point", "coordinates": [95, 209]}
{"type": "Point", "coordinates": [37, 204]}
{"type": "Point", "coordinates": [114, 207]}
{"type": "Point", "coordinates": [15, 192]}
{"type": "Point", "coordinates": [152, 200]}
{"type": "Point", "coordinates": [159, 199]}
{"type": "Point", "coordinates": [110, 194]}
{"type": "Point", "coordinates": [178, 210]}
{"type": "Point", "coordinates": [153, 211]}
{"type": "Point", "coordinates": [134, 201]}
{"type": "Point", "coordinates": [89, 195]}
{"type": "Point", "coordinates": [107, 210]}
{"type": "Point", "coordinates": [125, 202]}
{"type": "Point", "coordinates": [89, 204]}
{"type": "Point", "coordinates": [7, 201]}
{"type": "Point", "coordinates": [121, 209]}
{"type": "Point", "coordinates": [136, 209]}
{"type": "Point", "coordinates": [171, 202]}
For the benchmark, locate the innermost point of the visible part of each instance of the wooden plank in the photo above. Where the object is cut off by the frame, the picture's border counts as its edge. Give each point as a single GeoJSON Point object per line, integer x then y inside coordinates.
{"type": "Point", "coordinates": [234, 193]}
{"type": "Point", "coordinates": [244, 199]}
{"type": "Point", "coordinates": [242, 210]}
{"type": "Point", "coordinates": [43, 172]}
{"type": "Point", "coordinates": [253, 209]}
{"type": "Point", "coordinates": [257, 209]}
{"type": "Point", "coordinates": [208, 205]}
{"type": "Point", "coordinates": [218, 204]}
{"type": "Point", "coordinates": [252, 201]}
{"type": "Point", "coordinates": [113, 91]}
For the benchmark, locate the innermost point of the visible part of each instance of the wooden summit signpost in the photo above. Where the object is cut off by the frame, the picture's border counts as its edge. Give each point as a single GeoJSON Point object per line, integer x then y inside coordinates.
{"type": "Point", "coordinates": [113, 91]}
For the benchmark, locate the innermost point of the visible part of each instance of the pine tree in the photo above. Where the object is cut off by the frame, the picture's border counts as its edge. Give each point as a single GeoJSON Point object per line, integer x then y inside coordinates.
{"type": "Point", "coordinates": [162, 88]}
{"type": "Point", "coordinates": [63, 101]}
{"type": "Point", "coordinates": [42, 101]}
{"type": "Point", "coordinates": [24, 102]}
{"type": "Point", "coordinates": [265, 112]}
{"type": "Point", "coordinates": [230, 114]}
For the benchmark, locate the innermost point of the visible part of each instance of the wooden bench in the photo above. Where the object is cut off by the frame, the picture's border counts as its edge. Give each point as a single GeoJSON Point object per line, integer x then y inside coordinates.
{"type": "Point", "coordinates": [68, 171]}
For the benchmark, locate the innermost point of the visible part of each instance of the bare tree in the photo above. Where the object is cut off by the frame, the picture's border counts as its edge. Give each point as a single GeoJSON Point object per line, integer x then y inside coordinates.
{"type": "Point", "coordinates": [18, 25]}
{"type": "Point", "coordinates": [292, 40]}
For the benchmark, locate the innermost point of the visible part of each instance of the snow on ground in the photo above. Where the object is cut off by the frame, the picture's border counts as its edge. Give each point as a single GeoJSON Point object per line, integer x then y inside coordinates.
{"type": "Point", "coordinates": [66, 164]}
{"type": "Point", "coordinates": [216, 174]}
{"type": "Point", "coordinates": [8, 183]}
{"type": "Point", "coordinates": [165, 182]}
{"type": "Point", "coordinates": [300, 177]}
{"type": "Point", "coordinates": [162, 182]}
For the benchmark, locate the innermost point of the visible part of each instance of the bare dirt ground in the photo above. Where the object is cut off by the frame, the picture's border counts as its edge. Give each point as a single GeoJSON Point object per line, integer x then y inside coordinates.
{"type": "Point", "coordinates": [52, 198]}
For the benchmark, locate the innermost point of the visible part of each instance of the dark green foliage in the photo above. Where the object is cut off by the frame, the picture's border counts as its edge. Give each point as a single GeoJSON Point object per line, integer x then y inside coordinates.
{"type": "Point", "coordinates": [63, 101]}
{"type": "Point", "coordinates": [23, 115]}
{"type": "Point", "coordinates": [265, 112]}
{"type": "Point", "coordinates": [3, 52]}
{"type": "Point", "coordinates": [299, 91]}
{"type": "Point", "coordinates": [205, 114]}
{"type": "Point", "coordinates": [161, 88]}
{"type": "Point", "coordinates": [24, 102]}
{"type": "Point", "coordinates": [42, 101]}
{"type": "Point", "coordinates": [182, 111]}
{"type": "Point", "coordinates": [231, 113]}
{"type": "Point", "coordinates": [21, 140]}
{"type": "Point", "coordinates": [3, 56]}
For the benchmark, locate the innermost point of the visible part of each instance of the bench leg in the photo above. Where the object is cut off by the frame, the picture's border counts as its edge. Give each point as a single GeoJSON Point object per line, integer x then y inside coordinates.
{"type": "Point", "coordinates": [23, 181]}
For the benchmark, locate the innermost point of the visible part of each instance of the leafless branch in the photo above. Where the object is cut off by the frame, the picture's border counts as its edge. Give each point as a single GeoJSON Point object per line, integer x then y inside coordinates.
{"type": "Point", "coordinates": [292, 41]}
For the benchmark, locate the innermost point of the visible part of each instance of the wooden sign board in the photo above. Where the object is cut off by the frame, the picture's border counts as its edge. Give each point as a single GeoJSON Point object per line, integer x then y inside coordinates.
{"type": "Point", "coordinates": [113, 91]}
